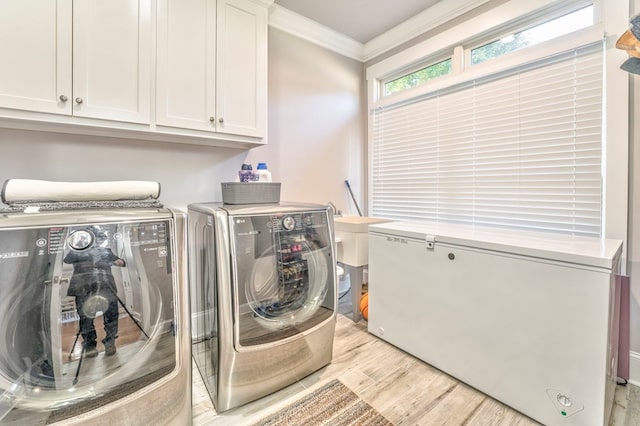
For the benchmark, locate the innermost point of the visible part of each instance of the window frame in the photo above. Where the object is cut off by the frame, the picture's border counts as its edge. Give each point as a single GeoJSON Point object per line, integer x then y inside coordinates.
{"type": "Point", "coordinates": [516, 31]}
{"type": "Point", "coordinates": [521, 24]}
{"type": "Point", "coordinates": [432, 61]}
{"type": "Point", "coordinates": [608, 18]}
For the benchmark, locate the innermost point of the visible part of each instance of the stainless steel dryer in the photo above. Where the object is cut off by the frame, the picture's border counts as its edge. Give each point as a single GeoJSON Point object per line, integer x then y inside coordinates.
{"type": "Point", "coordinates": [263, 294]}
{"type": "Point", "coordinates": [49, 372]}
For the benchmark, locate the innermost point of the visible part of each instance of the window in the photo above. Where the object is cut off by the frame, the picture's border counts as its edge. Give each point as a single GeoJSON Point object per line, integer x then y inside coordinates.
{"type": "Point", "coordinates": [549, 30]}
{"type": "Point", "coordinates": [418, 77]}
{"type": "Point", "coordinates": [519, 148]}
{"type": "Point", "coordinates": [430, 147]}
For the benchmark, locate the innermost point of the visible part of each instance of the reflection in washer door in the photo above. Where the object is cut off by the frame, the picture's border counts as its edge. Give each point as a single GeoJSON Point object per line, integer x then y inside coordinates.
{"type": "Point", "coordinates": [87, 317]}
{"type": "Point", "coordinates": [284, 264]}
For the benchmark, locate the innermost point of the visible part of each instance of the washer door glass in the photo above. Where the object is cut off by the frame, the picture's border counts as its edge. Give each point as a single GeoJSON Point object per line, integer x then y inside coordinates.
{"type": "Point", "coordinates": [284, 275]}
{"type": "Point", "coordinates": [88, 317]}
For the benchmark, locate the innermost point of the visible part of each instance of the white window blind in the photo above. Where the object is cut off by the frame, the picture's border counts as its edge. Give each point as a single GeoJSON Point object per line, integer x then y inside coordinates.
{"type": "Point", "coordinates": [521, 149]}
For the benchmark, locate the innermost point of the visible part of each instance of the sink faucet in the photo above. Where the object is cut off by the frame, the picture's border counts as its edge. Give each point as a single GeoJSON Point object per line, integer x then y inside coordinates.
{"type": "Point", "coordinates": [336, 212]}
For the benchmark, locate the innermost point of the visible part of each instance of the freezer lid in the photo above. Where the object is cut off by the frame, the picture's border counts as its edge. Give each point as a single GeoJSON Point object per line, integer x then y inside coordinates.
{"type": "Point", "coordinates": [588, 251]}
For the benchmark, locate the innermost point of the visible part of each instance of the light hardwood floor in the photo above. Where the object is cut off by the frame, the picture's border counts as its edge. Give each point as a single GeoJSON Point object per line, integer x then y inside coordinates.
{"type": "Point", "coordinates": [404, 389]}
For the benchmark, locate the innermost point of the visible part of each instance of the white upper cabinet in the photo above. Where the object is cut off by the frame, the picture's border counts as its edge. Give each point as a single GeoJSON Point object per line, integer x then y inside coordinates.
{"type": "Point", "coordinates": [86, 58]}
{"type": "Point", "coordinates": [212, 66]}
{"type": "Point", "coordinates": [191, 71]}
{"type": "Point", "coordinates": [35, 47]}
{"type": "Point", "coordinates": [186, 74]}
{"type": "Point", "coordinates": [241, 82]}
{"type": "Point", "coordinates": [112, 59]}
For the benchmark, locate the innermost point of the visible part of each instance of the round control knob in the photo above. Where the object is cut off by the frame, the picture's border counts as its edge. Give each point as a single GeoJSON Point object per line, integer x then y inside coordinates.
{"type": "Point", "coordinates": [289, 223]}
{"type": "Point", "coordinates": [80, 240]}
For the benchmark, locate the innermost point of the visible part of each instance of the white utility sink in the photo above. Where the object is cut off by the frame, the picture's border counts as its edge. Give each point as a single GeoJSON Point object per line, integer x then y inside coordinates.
{"type": "Point", "coordinates": [352, 231]}
{"type": "Point", "coordinates": [355, 223]}
{"type": "Point", "coordinates": [352, 235]}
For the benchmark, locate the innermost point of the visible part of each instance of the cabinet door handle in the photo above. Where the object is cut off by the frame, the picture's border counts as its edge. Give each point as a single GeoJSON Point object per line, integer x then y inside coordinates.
{"type": "Point", "coordinates": [212, 119]}
{"type": "Point", "coordinates": [63, 98]}
{"type": "Point", "coordinates": [79, 100]}
{"type": "Point", "coordinates": [221, 120]}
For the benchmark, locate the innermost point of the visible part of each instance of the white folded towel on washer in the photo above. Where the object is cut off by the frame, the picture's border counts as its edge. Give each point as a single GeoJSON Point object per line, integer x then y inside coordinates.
{"type": "Point", "coordinates": [30, 190]}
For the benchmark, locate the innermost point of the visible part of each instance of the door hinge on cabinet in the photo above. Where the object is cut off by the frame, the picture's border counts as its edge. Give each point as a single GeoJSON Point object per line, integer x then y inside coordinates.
{"type": "Point", "coordinates": [430, 240]}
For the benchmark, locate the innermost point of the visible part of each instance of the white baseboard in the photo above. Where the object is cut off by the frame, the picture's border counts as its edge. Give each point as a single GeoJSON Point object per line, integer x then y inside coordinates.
{"type": "Point", "coordinates": [634, 368]}
{"type": "Point", "coordinates": [197, 318]}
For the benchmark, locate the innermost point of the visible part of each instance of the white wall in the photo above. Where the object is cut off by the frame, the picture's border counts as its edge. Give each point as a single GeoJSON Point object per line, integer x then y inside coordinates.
{"type": "Point", "coordinates": [186, 173]}
{"type": "Point", "coordinates": [316, 123]}
{"type": "Point", "coordinates": [315, 140]}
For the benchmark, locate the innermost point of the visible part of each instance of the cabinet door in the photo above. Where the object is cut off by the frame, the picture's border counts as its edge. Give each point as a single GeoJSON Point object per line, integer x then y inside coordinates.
{"type": "Point", "coordinates": [35, 47]}
{"type": "Point", "coordinates": [186, 64]}
{"type": "Point", "coordinates": [112, 59]}
{"type": "Point", "coordinates": [241, 83]}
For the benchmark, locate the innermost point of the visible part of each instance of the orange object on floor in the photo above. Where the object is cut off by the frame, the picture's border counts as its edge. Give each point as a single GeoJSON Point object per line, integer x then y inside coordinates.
{"type": "Point", "coordinates": [364, 306]}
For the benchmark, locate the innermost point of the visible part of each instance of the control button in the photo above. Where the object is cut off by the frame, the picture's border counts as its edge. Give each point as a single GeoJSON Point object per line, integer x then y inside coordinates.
{"type": "Point", "coordinates": [80, 240]}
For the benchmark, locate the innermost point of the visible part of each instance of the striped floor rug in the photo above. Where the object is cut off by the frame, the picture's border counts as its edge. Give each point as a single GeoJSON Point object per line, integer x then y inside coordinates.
{"type": "Point", "coordinates": [333, 404]}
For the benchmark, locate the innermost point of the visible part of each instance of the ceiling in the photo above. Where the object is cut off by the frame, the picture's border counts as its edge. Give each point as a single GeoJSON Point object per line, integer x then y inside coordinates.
{"type": "Point", "coordinates": [362, 20]}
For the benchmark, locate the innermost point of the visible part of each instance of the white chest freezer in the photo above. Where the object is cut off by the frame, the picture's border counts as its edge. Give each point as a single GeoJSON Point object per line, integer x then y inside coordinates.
{"type": "Point", "coordinates": [525, 317]}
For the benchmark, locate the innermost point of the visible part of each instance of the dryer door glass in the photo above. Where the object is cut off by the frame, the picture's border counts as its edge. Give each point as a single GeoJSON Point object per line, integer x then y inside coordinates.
{"type": "Point", "coordinates": [87, 316]}
{"type": "Point", "coordinates": [284, 275]}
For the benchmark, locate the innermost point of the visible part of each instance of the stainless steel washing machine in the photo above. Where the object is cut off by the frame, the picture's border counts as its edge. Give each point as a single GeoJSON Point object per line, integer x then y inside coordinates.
{"type": "Point", "coordinates": [263, 294]}
{"type": "Point", "coordinates": [95, 326]}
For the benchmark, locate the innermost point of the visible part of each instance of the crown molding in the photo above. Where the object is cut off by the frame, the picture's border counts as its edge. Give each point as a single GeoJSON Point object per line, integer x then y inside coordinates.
{"type": "Point", "coordinates": [307, 29]}
{"type": "Point", "coordinates": [304, 28]}
{"type": "Point", "coordinates": [424, 21]}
